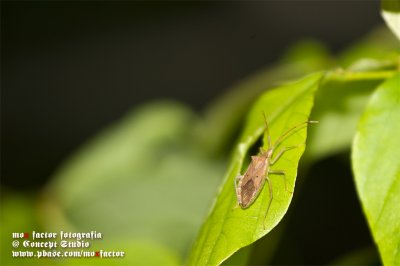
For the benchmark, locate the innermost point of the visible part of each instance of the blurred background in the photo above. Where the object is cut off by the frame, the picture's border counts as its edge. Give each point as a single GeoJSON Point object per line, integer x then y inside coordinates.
{"type": "Point", "coordinates": [72, 69]}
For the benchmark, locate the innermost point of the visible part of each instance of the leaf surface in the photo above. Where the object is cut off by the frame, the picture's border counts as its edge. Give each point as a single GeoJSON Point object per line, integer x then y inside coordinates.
{"type": "Point", "coordinates": [391, 14]}
{"type": "Point", "coordinates": [228, 227]}
{"type": "Point", "coordinates": [376, 165]}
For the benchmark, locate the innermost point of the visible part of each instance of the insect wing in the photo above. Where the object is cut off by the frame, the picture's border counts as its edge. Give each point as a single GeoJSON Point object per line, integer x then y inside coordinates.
{"type": "Point", "coordinates": [253, 180]}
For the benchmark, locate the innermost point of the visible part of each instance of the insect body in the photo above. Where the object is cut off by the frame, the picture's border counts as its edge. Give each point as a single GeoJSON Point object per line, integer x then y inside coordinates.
{"type": "Point", "coordinates": [249, 185]}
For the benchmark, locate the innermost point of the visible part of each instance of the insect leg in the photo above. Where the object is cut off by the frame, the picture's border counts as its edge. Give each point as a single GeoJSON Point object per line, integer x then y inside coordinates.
{"type": "Point", "coordinates": [281, 152]}
{"type": "Point", "coordinates": [271, 196]}
{"type": "Point", "coordinates": [281, 172]}
{"type": "Point", "coordinates": [237, 180]}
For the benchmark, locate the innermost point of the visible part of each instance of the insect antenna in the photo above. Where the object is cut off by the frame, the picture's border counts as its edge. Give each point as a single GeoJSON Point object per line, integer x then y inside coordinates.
{"type": "Point", "coordinates": [267, 131]}
{"type": "Point", "coordinates": [289, 131]}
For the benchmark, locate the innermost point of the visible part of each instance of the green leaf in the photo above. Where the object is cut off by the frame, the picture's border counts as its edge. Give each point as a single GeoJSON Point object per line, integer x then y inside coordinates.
{"type": "Point", "coordinates": [228, 227]}
{"type": "Point", "coordinates": [139, 181]}
{"type": "Point", "coordinates": [391, 5]}
{"type": "Point", "coordinates": [17, 216]}
{"type": "Point", "coordinates": [391, 14]}
{"type": "Point", "coordinates": [339, 103]}
{"type": "Point", "coordinates": [380, 46]}
{"type": "Point", "coordinates": [223, 117]}
{"type": "Point", "coordinates": [375, 159]}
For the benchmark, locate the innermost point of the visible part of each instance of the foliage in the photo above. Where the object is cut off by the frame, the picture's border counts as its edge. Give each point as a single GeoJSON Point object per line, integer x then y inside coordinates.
{"type": "Point", "coordinates": [147, 181]}
{"type": "Point", "coordinates": [229, 227]}
{"type": "Point", "coordinates": [377, 168]}
{"type": "Point", "coordinates": [391, 14]}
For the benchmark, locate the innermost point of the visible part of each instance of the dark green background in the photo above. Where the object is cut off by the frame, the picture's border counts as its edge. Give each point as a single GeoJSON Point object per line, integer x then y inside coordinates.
{"type": "Point", "coordinates": [70, 68]}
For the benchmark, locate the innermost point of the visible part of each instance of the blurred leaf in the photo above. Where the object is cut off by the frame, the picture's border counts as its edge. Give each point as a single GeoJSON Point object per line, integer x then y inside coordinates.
{"type": "Point", "coordinates": [140, 180]}
{"type": "Point", "coordinates": [343, 95]}
{"type": "Point", "coordinates": [223, 118]}
{"type": "Point", "coordinates": [376, 166]}
{"type": "Point", "coordinates": [229, 228]}
{"type": "Point", "coordinates": [338, 105]}
{"type": "Point", "coordinates": [136, 253]}
{"type": "Point", "coordinates": [391, 5]}
{"type": "Point", "coordinates": [380, 45]}
{"type": "Point", "coordinates": [391, 14]}
{"type": "Point", "coordinates": [17, 216]}
{"type": "Point", "coordinates": [308, 53]}
{"type": "Point", "coordinates": [363, 256]}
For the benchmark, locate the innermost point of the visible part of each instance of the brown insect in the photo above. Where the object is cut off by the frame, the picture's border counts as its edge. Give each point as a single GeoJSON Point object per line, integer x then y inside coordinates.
{"type": "Point", "coordinates": [249, 185]}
